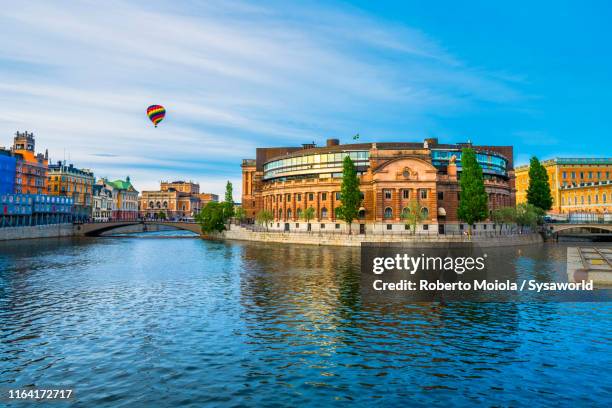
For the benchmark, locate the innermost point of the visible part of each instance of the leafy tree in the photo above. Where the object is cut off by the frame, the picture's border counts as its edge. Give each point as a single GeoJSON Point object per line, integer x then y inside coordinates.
{"type": "Point", "coordinates": [504, 215]}
{"type": "Point", "coordinates": [264, 217]}
{"type": "Point", "coordinates": [349, 193]}
{"type": "Point", "coordinates": [229, 198]}
{"type": "Point", "coordinates": [473, 203]}
{"type": "Point", "coordinates": [308, 215]}
{"type": "Point", "coordinates": [528, 215]}
{"type": "Point", "coordinates": [240, 214]}
{"type": "Point", "coordinates": [213, 217]}
{"type": "Point", "coordinates": [161, 215]}
{"type": "Point", "coordinates": [538, 192]}
{"type": "Point", "coordinates": [412, 214]}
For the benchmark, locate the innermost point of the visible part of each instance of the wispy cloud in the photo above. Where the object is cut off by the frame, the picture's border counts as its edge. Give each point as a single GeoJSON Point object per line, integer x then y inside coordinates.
{"type": "Point", "coordinates": [232, 76]}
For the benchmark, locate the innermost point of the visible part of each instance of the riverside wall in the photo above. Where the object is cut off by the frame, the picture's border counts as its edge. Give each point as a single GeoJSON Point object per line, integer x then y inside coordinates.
{"type": "Point", "coordinates": [39, 231]}
{"type": "Point", "coordinates": [243, 234]}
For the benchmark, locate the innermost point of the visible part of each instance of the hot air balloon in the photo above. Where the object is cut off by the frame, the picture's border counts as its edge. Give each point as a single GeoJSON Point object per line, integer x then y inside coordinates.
{"type": "Point", "coordinates": [156, 113]}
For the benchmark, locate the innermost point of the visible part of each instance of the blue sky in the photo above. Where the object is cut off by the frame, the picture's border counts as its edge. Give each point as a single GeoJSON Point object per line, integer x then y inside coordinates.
{"type": "Point", "coordinates": [236, 75]}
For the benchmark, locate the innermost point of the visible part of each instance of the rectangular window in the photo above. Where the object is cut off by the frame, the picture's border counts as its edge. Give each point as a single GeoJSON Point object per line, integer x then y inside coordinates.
{"type": "Point", "coordinates": [590, 174]}
{"type": "Point", "coordinates": [440, 195]}
{"type": "Point", "coordinates": [564, 174]}
{"type": "Point", "coordinates": [387, 194]}
{"type": "Point", "coordinates": [423, 194]}
{"type": "Point", "coordinates": [310, 197]}
{"type": "Point", "coordinates": [288, 197]}
{"type": "Point", "coordinates": [582, 174]}
{"type": "Point", "coordinates": [323, 196]}
{"type": "Point", "coordinates": [425, 227]}
{"type": "Point", "coordinates": [484, 226]}
{"type": "Point", "coordinates": [297, 225]}
{"type": "Point", "coordinates": [337, 226]}
{"type": "Point", "coordinates": [338, 195]}
{"type": "Point", "coordinates": [322, 226]}
{"type": "Point", "coordinates": [299, 197]}
{"type": "Point", "coordinates": [573, 174]}
{"type": "Point", "coordinates": [406, 194]}
{"type": "Point", "coordinates": [389, 226]}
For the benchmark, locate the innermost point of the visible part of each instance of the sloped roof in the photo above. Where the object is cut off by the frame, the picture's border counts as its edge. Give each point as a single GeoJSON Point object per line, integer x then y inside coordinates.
{"type": "Point", "coordinates": [121, 184]}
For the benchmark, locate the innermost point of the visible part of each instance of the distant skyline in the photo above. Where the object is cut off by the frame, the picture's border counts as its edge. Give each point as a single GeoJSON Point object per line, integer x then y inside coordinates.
{"type": "Point", "coordinates": [236, 75]}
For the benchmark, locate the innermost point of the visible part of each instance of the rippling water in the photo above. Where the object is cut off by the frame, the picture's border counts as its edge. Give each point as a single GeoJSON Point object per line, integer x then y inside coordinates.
{"type": "Point", "coordinates": [168, 322]}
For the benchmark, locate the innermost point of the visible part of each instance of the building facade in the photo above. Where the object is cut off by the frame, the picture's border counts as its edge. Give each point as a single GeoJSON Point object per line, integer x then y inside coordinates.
{"type": "Point", "coordinates": [287, 180]}
{"type": "Point", "coordinates": [125, 199]}
{"type": "Point", "coordinates": [30, 168]}
{"type": "Point", "coordinates": [7, 172]}
{"type": "Point", "coordinates": [572, 181]}
{"type": "Point", "coordinates": [206, 198]}
{"type": "Point", "coordinates": [18, 210]}
{"type": "Point", "coordinates": [174, 200]}
{"type": "Point", "coordinates": [102, 207]}
{"type": "Point", "coordinates": [69, 181]}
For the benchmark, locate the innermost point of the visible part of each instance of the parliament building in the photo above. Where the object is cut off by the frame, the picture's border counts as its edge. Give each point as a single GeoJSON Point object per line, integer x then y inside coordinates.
{"type": "Point", "coordinates": [287, 180]}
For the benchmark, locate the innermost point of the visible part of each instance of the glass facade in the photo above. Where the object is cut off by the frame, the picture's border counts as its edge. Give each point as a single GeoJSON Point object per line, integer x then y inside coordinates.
{"type": "Point", "coordinates": [313, 165]}
{"type": "Point", "coordinates": [491, 163]}
{"type": "Point", "coordinates": [326, 165]}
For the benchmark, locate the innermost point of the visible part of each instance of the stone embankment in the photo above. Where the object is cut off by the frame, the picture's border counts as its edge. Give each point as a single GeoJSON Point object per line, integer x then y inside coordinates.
{"type": "Point", "coordinates": [39, 231]}
{"type": "Point", "coordinates": [245, 234]}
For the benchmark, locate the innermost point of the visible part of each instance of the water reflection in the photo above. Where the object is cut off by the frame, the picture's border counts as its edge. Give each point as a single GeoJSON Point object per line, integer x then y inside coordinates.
{"type": "Point", "coordinates": [189, 322]}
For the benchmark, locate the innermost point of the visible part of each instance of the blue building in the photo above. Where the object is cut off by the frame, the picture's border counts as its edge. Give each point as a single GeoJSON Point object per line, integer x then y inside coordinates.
{"type": "Point", "coordinates": [7, 172]}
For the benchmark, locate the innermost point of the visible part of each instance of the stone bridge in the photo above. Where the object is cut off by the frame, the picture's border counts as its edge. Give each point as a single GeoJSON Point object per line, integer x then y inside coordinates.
{"type": "Point", "coordinates": [580, 228]}
{"type": "Point", "coordinates": [97, 228]}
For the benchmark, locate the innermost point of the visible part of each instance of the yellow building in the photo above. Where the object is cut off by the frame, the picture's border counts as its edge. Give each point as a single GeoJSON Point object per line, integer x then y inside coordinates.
{"type": "Point", "coordinates": [176, 200]}
{"type": "Point", "coordinates": [69, 181]}
{"type": "Point", "coordinates": [569, 179]}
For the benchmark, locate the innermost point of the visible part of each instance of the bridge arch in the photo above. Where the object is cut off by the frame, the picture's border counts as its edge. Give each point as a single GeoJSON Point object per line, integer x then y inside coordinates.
{"type": "Point", "coordinates": [594, 228]}
{"type": "Point", "coordinates": [95, 229]}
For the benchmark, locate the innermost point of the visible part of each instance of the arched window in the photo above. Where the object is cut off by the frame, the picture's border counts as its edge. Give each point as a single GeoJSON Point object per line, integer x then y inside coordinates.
{"type": "Point", "coordinates": [280, 213]}
{"type": "Point", "coordinates": [603, 198]}
{"type": "Point", "coordinates": [388, 213]}
{"type": "Point", "coordinates": [405, 212]}
{"type": "Point", "coordinates": [323, 212]}
{"type": "Point", "coordinates": [299, 213]}
{"type": "Point", "coordinates": [361, 214]}
{"type": "Point", "coordinates": [158, 204]}
{"type": "Point", "coordinates": [289, 213]}
{"type": "Point", "coordinates": [425, 212]}
{"type": "Point", "coordinates": [151, 204]}
{"type": "Point", "coordinates": [165, 204]}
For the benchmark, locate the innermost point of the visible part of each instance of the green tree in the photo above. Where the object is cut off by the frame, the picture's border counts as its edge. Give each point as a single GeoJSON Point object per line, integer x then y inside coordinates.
{"type": "Point", "coordinates": [264, 217]}
{"type": "Point", "coordinates": [473, 202]}
{"type": "Point", "coordinates": [229, 199]}
{"type": "Point", "coordinates": [213, 217]}
{"type": "Point", "coordinates": [161, 215]}
{"type": "Point", "coordinates": [538, 192]}
{"type": "Point", "coordinates": [240, 214]}
{"type": "Point", "coordinates": [504, 215]}
{"type": "Point", "coordinates": [349, 193]}
{"type": "Point", "coordinates": [412, 214]}
{"type": "Point", "coordinates": [308, 215]}
{"type": "Point", "coordinates": [528, 215]}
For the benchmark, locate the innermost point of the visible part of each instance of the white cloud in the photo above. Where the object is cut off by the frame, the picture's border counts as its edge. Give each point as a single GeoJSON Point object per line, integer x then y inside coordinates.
{"type": "Point", "coordinates": [232, 76]}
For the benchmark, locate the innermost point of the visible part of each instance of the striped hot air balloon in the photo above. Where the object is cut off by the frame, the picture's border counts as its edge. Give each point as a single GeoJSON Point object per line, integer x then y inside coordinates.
{"type": "Point", "coordinates": [156, 113]}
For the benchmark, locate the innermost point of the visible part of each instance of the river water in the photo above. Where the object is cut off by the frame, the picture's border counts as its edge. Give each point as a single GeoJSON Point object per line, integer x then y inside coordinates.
{"type": "Point", "coordinates": [185, 322]}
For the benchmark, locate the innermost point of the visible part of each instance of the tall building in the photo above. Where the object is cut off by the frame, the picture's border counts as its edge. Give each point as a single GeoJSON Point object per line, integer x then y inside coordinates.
{"type": "Point", "coordinates": [30, 168]}
{"type": "Point", "coordinates": [174, 200]}
{"type": "Point", "coordinates": [125, 199]}
{"type": "Point", "coordinates": [576, 184]}
{"type": "Point", "coordinates": [69, 181]}
{"type": "Point", "coordinates": [7, 172]}
{"type": "Point", "coordinates": [287, 180]}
